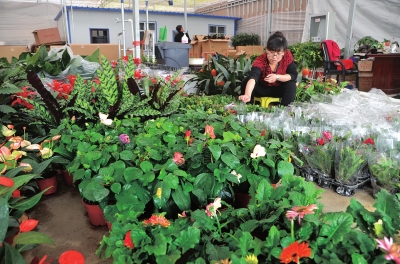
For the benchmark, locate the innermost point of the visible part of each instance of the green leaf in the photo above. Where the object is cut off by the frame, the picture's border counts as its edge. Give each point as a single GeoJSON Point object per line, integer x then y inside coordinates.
{"type": "Point", "coordinates": [188, 239]}
{"type": "Point", "coordinates": [126, 155]}
{"type": "Point", "coordinates": [230, 160]}
{"type": "Point", "coordinates": [4, 216]}
{"type": "Point", "coordinates": [181, 198]}
{"type": "Point", "coordinates": [285, 168]}
{"type": "Point", "coordinates": [116, 187]}
{"type": "Point", "coordinates": [264, 190]}
{"type": "Point", "coordinates": [335, 226]}
{"type": "Point", "coordinates": [358, 259]}
{"type": "Point", "coordinates": [159, 246]}
{"type": "Point", "coordinates": [245, 242]}
{"type": "Point", "coordinates": [7, 109]}
{"type": "Point", "coordinates": [172, 180]}
{"type": "Point", "coordinates": [94, 191]}
{"type": "Point", "coordinates": [28, 203]}
{"type": "Point", "coordinates": [146, 166]}
{"type": "Point", "coordinates": [216, 151]}
{"type": "Point", "coordinates": [12, 255]}
{"type": "Point", "coordinates": [33, 237]}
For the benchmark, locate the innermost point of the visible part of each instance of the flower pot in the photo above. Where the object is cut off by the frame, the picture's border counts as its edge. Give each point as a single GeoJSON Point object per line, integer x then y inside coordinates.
{"type": "Point", "coordinates": [68, 178]}
{"type": "Point", "coordinates": [45, 183]}
{"type": "Point", "coordinates": [109, 225]}
{"type": "Point", "coordinates": [95, 213]}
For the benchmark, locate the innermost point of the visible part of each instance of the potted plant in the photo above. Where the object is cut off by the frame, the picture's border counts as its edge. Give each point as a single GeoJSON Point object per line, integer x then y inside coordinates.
{"type": "Point", "coordinates": [245, 39]}
{"type": "Point", "coordinates": [385, 169]}
{"type": "Point", "coordinates": [307, 55]}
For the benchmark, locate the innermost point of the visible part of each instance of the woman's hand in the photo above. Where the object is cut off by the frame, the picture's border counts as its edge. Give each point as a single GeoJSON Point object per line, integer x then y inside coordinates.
{"type": "Point", "coordinates": [245, 98]}
{"type": "Point", "coordinates": [271, 78]}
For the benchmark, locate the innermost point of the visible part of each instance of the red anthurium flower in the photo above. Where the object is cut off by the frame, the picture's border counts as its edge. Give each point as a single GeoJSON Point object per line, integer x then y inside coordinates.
{"type": "Point", "coordinates": [10, 127]}
{"type": "Point", "coordinates": [28, 225]}
{"type": "Point", "coordinates": [294, 252]}
{"type": "Point", "coordinates": [137, 61]}
{"type": "Point", "coordinates": [16, 194]}
{"type": "Point", "coordinates": [369, 141]}
{"type": "Point", "coordinates": [71, 257]}
{"type": "Point", "coordinates": [320, 141]}
{"type": "Point", "coordinates": [5, 181]}
{"type": "Point", "coordinates": [43, 260]}
{"type": "Point", "coordinates": [128, 242]}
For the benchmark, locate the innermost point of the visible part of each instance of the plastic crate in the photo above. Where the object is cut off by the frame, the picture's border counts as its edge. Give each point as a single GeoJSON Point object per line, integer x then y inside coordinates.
{"type": "Point", "coordinates": [365, 65]}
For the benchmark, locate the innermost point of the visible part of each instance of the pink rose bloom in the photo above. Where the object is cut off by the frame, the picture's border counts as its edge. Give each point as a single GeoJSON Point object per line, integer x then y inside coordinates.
{"type": "Point", "coordinates": [178, 158]}
{"type": "Point", "coordinates": [124, 139]}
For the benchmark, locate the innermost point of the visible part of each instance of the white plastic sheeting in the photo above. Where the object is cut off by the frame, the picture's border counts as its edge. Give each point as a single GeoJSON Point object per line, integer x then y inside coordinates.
{"type": "Point", "coordinates": [378, 19]}
{"type": "Point", "coordinates": [19, 19]}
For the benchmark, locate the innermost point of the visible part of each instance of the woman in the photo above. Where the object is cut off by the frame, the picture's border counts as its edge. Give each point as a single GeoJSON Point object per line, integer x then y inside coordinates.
{"type": "Point", "coordinates": [273, 74]}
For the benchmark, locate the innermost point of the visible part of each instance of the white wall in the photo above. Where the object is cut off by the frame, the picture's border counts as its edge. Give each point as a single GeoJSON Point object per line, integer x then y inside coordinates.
{"type": "Point", "coordinates": [87, 18]}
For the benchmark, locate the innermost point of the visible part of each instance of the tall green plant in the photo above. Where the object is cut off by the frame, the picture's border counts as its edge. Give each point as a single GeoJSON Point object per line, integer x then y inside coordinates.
{"type": "Point", "coordinates": [245, 39]}
{"type": "Point", "coordinates": [307, 54]}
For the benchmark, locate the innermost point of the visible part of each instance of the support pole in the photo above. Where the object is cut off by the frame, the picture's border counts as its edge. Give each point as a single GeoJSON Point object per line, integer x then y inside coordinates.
{"type": "Point", "coordinates": [136, 42]}
{"type": "Point", "coordinates": [269, 19]}
{"type": "Point", "coordinates": [123, 27]}
{"type": "Point", "coordinates": [185, 14]}
{"type": "Point", "coordinates": [66, 21]}
{"type": "Point", "coordinates": [147, 28]}
{"type": "Point", "coordinates": [349, 30]}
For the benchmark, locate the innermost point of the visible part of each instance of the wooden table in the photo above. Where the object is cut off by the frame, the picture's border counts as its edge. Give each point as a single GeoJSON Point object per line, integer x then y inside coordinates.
{"type": "Point", "coordinates": [386, 72]}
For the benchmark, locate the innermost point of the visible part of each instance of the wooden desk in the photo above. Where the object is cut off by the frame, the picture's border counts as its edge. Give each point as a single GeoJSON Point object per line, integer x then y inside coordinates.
{"type": "Point", "coordinates": [386, 72]}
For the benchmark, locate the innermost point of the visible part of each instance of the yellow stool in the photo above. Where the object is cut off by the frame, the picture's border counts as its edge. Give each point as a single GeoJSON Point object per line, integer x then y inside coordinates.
{"type": "Point", "coordinates": [265, 101]}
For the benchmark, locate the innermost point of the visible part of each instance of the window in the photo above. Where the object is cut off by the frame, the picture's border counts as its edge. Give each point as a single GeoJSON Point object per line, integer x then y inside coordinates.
{"type": "Point", "coordinates": [216, 30]}
{"type": "Point", "coordinates": [99, 35]}
{"type": "Point", "coordinates": [142, 27]}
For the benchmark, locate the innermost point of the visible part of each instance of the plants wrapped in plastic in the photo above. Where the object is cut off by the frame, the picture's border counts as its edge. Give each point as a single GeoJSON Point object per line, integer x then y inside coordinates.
{"type": "Point", "coordinates": [385, 167]}
{"type": "Point", "coordinates": [320, 154]}
{"type": "Point", "coordinates": [350, 161]}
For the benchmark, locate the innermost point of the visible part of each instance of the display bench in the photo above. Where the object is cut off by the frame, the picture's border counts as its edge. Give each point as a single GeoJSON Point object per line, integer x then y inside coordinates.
{"type": "Point", "coordinates": [386, 72]}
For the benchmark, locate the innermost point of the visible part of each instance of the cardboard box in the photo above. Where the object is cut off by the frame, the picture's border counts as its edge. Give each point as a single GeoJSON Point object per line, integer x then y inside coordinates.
{"type": "Point", "coordinates": [232, 53]}
{"type": "Point", "coordinates": [195, 51]}
{"type": "Point", "coordinates": [215, 45]}
{"type": "Point", "coordinates": [110, 51]}
{"type": "Point", "coordinates": [365, 81]}
{"type": "Point", "coordinates": [12, 51]}
{"type": "Point", "coordinates": [47, 36]}
{"type": "Point", "coordinates": [365, 65]}
{"type": "Point", "coordinates": [250, 50]}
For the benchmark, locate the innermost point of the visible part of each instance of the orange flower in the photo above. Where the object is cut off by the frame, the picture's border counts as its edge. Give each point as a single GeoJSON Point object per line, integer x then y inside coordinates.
{"type": "Point", "coordinates": [210, 131]}
{"type": "Point", "coordinates": [214, 72]}
{"type": "Point", "coordinates": [71, 256]}
{"type": "Point", "coordinates": [16, 194]}
{"type": "Point", "coordinates": [157, 220]}
{"type": "Point", "coordinates": [5, 181]}
{"type": "Point", "coordinates": [128, 242]}
{"type": "Point", "coordinates": [300, 211]}
{"type": "Point", "coordinates": [294, 252]}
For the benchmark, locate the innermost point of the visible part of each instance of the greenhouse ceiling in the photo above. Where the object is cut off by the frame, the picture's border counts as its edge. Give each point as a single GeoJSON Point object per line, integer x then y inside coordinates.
{"type": "Point", "coordinates": [158, 5]}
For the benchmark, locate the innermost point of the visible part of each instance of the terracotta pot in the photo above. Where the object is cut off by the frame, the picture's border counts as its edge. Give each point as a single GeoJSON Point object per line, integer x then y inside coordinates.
{"type": "Point", "coordinates": [45, 183]}
{"type": "Point", "coordinates": [95, 213]}
{"type": "Point", "coordinates": [68, 178]}
{"type": "Point", "coordinates": [109, 225]}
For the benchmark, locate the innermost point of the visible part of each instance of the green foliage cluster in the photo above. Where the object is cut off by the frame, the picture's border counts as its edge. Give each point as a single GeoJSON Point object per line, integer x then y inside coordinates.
{"type": "Point", "coordinates": [245, 39]}
{"type": "Point", "coordinates": [307, 54]}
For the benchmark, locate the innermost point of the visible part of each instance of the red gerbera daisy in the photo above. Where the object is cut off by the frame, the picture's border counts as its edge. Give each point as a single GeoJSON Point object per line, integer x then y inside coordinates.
{"type": "Point", "coordinates": [157, 220]}
{"type": "Point", "coordinates": [128, 242]}
{"type": "Point", "coordinates": [294, 252]}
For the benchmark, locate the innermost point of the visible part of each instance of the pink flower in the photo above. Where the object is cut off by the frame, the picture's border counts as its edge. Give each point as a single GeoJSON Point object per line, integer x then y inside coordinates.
{"type": "Point", "coordinates": [209, 131]}
{"type": "Point", "coordinates": [178, 158]}
{"type": "Point", "coordinates": [124, 139]}
{"type": "Point", "coordinates": [392, 250]}
{"type": "Point", "coordinates": [327, 135]}
{"type": "Point", "coordinates": [211, 209]}
{"type": "Point", "coordinates": [369, 141]}
{"type": "Point", "coordinates": [300, 211]}
{"type": "Point", "coordinates": [320, 141]}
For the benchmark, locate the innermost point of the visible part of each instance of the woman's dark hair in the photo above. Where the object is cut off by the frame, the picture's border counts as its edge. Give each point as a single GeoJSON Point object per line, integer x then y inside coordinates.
{"type": "Point", "coordinates": [277, 42]}
{"type": "Point", "coordinates": [178, 28]}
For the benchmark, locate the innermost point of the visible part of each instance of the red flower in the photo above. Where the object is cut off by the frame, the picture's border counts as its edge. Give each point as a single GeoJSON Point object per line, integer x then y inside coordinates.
{"type": "Point", "coordinates": [327, 135]}
{"type": "Point", "coordinates": [71, 257]}
{"type": "Point", "coordinates": [113, 64]}
{"type": "Point", "coordinates": [16, 194]}
{"type": "Point", "coordinates": [126, 58]}
{"type": "Point", "coordinates": [263, 133]}
{"type": "Point", "coordinates": [138, 74]}
{"type": "Point", "coordinates": [71, 79]}
{"type": "Point", "coordinates": [320, 141]}
{"type": "Point", "coordinates": [128, 242]}
{"type": "Point", "coordinates": [187, 135]}
{"type": "Point", "coordinates": [5, 181]}
{"type": "Point", "coordinates": [369, 141]}
{"type": "Point", "coordinates": [28, 225]}
{"type": "Point", "coordinates": [137, 61]}
{"type": "Point", "coordinates": [25, 94]}
{"type": "Point", "coordinates": [300, 211]}
{"type": "Point", "coordinates": [214, 72]}
{"type": "Point", "coordinates": [178, 158]}
{"type": "Point", "coordinates": [294, 252]}
{"type": "Point", "coordinates": [157, 220]}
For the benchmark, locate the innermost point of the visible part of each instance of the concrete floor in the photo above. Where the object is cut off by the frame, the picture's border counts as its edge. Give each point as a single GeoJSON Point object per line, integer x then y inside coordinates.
{"type": "Point", "coordinates": [62, 216]}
